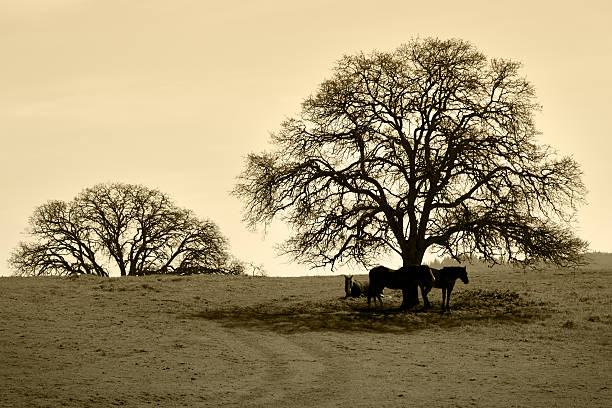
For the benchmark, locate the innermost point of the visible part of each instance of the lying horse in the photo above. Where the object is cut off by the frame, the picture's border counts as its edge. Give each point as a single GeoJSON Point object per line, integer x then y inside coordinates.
{"type": "Point", "coordinates": [405, 278]}
{"type": "Point", "coordinates": [354, 288]}
{"type": "Point", "coordinates": [444, 279]}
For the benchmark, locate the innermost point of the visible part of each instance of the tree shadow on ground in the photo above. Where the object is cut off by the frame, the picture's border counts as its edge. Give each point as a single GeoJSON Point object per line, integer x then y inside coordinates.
{"type": "Point", "coordinates": [469, 307]}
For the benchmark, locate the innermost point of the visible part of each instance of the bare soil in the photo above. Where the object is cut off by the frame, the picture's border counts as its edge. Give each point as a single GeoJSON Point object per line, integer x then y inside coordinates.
{"type": "Point", "coordinates": [533, 339]}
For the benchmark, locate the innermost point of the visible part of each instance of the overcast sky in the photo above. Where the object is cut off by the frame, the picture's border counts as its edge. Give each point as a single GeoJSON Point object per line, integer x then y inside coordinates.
{"type": "Point", "coordinates": [174, 94]}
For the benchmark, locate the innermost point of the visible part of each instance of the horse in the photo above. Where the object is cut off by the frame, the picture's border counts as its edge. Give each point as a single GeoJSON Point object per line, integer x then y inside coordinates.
{"type": "Point", "coordinates": [444, 279]}
{"type": "Point", "coordinates": [404, 278]}
{"type": "Point", "coordinates": [354, 288]}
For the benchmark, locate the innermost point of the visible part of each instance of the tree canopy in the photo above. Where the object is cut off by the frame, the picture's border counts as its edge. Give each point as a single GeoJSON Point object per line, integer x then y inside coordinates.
{"type": "Point", "coordinates": [131, 228]}
{"type": "Point", "coordinates": [430, 147]}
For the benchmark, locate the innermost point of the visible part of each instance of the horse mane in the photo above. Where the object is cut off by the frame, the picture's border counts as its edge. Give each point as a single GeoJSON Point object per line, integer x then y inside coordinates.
{"type": "Point", "coordinates": [453, 268]}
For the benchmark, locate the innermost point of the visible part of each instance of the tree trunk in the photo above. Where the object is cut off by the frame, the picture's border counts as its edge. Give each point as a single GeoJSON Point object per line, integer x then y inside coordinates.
{"type": "Point", "coordinates": [410, 296]}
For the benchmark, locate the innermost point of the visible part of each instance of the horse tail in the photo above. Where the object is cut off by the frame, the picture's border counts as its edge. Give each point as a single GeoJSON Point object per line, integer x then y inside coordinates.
{"type": "Point", "coordinates": [377, 280]}
{"type": "Point", "coordinates": [376, 283]}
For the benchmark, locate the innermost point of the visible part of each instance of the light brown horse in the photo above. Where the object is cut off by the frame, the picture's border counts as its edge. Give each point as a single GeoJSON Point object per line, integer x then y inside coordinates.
{"type": "Point", "coordinates": [354, 288]}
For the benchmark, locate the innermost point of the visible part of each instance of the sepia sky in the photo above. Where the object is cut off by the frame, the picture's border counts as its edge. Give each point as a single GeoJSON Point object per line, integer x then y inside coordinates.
{"type": "Point", "coordinates": [174, 94]}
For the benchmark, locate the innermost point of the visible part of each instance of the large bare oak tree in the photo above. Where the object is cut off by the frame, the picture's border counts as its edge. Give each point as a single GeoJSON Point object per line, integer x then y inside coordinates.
{"type": "Point", "coordinates": [428, 147]}
{"type": "Point", "coordinates": [126, 227]}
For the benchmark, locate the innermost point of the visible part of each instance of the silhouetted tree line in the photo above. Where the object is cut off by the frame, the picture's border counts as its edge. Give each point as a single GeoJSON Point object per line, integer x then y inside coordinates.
{"type": "Point", "coordinates": [589, 260]}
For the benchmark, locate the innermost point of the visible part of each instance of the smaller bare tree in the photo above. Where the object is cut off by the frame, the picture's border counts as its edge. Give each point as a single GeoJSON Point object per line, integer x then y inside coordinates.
{"type": "Point", "coordinates": [135, 228]}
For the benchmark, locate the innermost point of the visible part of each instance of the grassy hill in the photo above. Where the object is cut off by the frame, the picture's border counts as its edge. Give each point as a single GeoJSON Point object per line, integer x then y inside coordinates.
{"type": "Point", "coordinates": [514, 338]}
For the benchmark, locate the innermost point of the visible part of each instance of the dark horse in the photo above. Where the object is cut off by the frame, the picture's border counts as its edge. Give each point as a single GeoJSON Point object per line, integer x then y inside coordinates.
{"type": "Point", "coordinates": [444, 279]}
{"type": "Point", "coordinates": [405, 278]}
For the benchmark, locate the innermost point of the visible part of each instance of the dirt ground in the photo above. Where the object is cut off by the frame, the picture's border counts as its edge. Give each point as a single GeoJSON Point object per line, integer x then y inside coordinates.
{"type": "Point", "coordinates": [532, 339]}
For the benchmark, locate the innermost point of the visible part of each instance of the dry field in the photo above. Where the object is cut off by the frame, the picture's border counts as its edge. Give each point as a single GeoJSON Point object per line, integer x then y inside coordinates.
{"type": "Point", "coordinates": [513, 339]}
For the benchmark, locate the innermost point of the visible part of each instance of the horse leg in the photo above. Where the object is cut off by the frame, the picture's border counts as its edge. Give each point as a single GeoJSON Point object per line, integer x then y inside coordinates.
{"type": "Point", "coordinates": [406, 302]}
{"type": "Point", "coordinates": [448, 293]}
{"type": "Point", "coordinates": [424, 291]}
{"type": "Point", "coordinates": [443, 300]}
{"type": "Point", "coordinates": [375, 294]}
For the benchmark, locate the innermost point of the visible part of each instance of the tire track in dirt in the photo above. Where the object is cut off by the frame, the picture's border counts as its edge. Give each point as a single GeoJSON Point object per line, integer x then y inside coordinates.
{"type": "Point", "coordinates": [288, 373]}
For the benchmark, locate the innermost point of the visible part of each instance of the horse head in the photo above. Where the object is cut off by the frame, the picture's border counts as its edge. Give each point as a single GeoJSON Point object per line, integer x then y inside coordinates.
{"type": "Point", "coordinates": [463, 274]}
{"type": "Point", "coordinates": [348, 284]}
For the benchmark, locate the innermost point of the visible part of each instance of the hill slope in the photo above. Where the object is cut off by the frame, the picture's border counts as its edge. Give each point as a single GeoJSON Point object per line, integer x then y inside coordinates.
{"type": "Point", "coordinates": [530, 339]}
